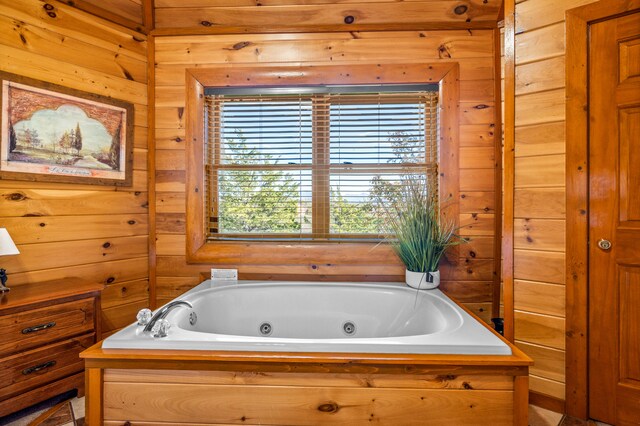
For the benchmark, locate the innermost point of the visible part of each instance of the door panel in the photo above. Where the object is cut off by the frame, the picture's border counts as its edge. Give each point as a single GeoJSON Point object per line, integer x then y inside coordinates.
{"type": "Point", "coordinates": [614, 216]}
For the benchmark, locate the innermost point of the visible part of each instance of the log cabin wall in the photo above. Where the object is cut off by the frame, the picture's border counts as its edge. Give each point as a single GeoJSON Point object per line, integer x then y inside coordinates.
{"type": "Point", "coordinates": [181, 42]}
{"type": "Point", "coordinates": [99, 233]}
{"type": "Point", "coordinates": [128, 13]}
{"type": "Point", "coordinates": [539, 196]}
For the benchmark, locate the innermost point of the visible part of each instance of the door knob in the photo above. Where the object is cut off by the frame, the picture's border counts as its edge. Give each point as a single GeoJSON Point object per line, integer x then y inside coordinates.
{"type": "Point", "coordinates": [604, 244]}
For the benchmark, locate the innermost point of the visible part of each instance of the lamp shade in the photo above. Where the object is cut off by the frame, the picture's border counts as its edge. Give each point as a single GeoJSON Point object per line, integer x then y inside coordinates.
{"type": "Point", "coordinates": [7, 246]}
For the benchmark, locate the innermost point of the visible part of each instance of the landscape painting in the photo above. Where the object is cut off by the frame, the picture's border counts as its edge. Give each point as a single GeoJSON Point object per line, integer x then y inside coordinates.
{"type": "Point", "coordinates": [51, 133]}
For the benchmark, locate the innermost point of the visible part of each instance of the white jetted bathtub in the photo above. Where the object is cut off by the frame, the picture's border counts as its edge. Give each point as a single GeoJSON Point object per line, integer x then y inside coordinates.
{"type": "Point", "coordinates": [316, 317]}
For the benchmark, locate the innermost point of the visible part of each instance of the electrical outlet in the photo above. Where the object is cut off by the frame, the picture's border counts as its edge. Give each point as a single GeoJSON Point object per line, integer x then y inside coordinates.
{"type": "Point", "coordinates": [224, 274]}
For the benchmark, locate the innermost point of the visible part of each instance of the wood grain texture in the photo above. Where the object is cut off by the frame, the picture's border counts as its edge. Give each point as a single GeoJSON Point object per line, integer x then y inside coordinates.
{"type": "Point", "coordinates": [539, 234]}
{"type": "Point", "coordinates": [508, 167]}
{"type": "Point", "coordinates": [234, 378]}
{"type": "Point", "coordinates": [527, 266]}
{"type": "Point", "coordinates": [549, 362]}
{"type": "Point", "coordinates": [540, 198]}
{"type": "Point", "coordinates": [127, 13]}
{"type": "Point", "coordinates": [98, 232]}
{"type": "Point", "coordinates": [45, 327]}
{"type": "Point", "coordinates": [26, 399]}
{"type": "Point", "coordinates": [547, 387]}
{"type": "Point", "coordinates": [540, 139]}
{"type": "Point", "coordinates": [169, 244]}
{"type": "Point", "coordinates": [225, 387]}
{"type": "Point", "coordinates": [308, 15]}
{"type": "Point", "coordinates": [540, 329]}
{"type": "Point", "coordinates": [302, 405]}
{"type": "Point", "coordinates": [65, 356]}
{"type": "Point", "coordinates": [540, 171]}
{"type": "Point", "coordinates": [68, 319]}
{"type": "Point", "coordinates": [541, 203]}
{"type": "Point", "coordinates": [540, 44]}
{"type": "Point", "coordinates": [540, 298]}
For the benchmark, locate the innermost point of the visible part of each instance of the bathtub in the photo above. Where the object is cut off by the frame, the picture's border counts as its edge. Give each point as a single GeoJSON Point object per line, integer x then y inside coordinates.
{"type": "Point", "coordinates": [317, 317]}
{"type": "Point", "coordinates": [333, 353]}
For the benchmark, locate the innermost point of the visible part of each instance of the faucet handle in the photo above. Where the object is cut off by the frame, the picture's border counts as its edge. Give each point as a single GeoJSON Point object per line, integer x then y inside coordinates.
{"type": "Point", "coordinates": [161, 328]}
{"type": "Point", "coordinates": [144, 316]}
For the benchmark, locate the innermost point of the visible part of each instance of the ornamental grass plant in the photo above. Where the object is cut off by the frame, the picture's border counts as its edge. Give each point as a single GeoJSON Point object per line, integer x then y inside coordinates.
{"type": "Point", "coordinates": [414, 226]}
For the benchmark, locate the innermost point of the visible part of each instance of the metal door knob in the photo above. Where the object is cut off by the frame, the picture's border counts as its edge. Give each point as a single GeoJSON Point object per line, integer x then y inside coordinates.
{"type": "Point", "coordinates": [604, 244]}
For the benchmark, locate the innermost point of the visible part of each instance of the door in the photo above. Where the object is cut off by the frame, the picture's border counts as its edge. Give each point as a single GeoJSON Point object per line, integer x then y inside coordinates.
{"type": "Point", "coordinates": [614, 220]}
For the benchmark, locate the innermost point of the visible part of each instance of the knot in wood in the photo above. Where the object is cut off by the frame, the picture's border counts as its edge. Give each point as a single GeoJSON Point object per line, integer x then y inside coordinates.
{"type": "Point", "coordinates": [16, 196]}
{"type": "Point", "coordinates": [461, 9]}
{"type": "Point", "coordinates": [329, 407]}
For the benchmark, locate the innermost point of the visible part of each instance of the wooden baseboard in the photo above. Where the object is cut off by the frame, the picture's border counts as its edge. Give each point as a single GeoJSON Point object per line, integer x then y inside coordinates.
{"type": "Point", "coordinates": [547, 402]}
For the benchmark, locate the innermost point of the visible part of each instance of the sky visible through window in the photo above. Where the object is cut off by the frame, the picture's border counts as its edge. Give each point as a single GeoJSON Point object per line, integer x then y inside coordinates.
{"type": "Point", "coordinates": [368, 143]}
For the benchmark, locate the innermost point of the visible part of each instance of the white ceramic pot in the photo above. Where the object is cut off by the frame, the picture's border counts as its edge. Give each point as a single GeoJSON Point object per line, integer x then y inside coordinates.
{"type": "Point", "coordinates": [422, 280]}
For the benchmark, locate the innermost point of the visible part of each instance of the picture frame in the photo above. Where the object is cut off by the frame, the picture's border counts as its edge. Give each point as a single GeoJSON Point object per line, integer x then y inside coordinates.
{"type": "Point", "coordinates": [51, 133]}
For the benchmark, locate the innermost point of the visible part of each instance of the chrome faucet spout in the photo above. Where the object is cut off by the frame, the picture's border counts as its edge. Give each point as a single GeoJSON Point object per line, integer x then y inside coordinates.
{"type": "Point", "coordinates": [164, 311]}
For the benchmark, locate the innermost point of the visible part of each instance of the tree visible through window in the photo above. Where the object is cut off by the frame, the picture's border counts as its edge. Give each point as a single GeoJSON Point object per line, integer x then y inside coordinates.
{"type": "Point", "coordinates": [311, 165]}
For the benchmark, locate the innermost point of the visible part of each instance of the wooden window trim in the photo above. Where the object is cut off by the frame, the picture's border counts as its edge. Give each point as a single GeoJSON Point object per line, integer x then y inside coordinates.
{"type": "Point", "coordinates": [199, 250]}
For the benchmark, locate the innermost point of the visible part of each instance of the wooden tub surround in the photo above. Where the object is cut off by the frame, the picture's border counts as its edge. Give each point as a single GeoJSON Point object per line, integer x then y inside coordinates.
{"type": "Point", "coordinates": [153, 387]}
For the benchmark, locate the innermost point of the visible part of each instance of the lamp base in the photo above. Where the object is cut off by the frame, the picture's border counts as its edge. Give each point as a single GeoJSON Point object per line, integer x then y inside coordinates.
{"type": "Point", "coordinates": [3, 280]}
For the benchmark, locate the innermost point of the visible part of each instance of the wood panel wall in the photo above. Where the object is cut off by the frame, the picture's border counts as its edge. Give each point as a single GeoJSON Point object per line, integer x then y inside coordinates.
{"type": "Point", "coordinates": [226, 15]}
{"type": "Point", "coordinates": [99, 233]}
{"type": "Point", "coordinates": [128, 13]}
{"type": "Point", "coordinates": [471, 280]}
{"type": "Point", "coordinates": [539, 201]}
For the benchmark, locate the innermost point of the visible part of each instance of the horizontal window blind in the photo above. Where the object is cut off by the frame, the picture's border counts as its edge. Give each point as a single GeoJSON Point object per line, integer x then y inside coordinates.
{"type": "Point", "coordinates": [311, 166]}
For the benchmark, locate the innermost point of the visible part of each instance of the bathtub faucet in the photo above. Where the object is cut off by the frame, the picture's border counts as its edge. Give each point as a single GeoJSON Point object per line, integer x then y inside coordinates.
{"type": "Point", "coordinates": [164, 311]}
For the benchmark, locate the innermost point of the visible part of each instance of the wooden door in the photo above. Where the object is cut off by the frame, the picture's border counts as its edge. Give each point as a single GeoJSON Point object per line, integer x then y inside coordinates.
{"type": "Point", "coordinates": [614, 216]}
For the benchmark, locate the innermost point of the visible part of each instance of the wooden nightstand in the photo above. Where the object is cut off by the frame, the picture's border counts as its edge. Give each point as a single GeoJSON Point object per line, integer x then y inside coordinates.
{"type": "Point", "coordinates": [43, 328]}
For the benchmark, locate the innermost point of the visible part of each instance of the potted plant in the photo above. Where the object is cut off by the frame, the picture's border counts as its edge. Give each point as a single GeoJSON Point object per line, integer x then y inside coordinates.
{"type": "Point", "coordinates": [416, 230]}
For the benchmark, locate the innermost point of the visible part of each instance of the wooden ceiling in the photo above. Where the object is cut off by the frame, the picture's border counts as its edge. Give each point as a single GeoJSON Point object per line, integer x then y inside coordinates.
{"type": "Point", "coordinates": [220, 16]}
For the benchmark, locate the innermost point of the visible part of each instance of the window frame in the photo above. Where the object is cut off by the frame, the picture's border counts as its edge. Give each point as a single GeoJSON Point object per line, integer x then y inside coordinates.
{"type": "Point", "coordinates": [321, 169]}
{"type": "Point", "coordinates": [200, 250]}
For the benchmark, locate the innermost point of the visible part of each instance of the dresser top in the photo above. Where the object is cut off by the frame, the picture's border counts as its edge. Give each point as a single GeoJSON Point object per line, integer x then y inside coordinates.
{"type": "Point", "coordinates": [27, 296]}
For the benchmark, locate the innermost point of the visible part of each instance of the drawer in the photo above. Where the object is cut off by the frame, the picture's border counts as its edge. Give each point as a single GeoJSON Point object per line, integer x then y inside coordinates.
{"type": "Point", "coordinates": [27, 370]}
{"type": "Point", "coordinates": [37, 327]}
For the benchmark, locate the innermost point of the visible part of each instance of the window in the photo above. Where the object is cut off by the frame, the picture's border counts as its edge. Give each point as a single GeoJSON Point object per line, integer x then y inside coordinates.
{"type": "Point", "coordinates": [347, 256]}
{"type": "Point", "coordinates": [307, 163]}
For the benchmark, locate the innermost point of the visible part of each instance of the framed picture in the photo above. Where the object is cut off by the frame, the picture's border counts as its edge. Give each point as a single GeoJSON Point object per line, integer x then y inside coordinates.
{"type": "Point", "coordinates": [56, 134]}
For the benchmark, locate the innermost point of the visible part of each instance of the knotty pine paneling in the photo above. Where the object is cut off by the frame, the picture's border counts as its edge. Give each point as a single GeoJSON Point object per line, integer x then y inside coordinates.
{"type": "Point", "coordinates": [128, 13]}
{"type": "Point", "coordinates": [473, 50]}
{"type": "Point", "coordinates": [194, 14]}
{"type": "Point", "coordinates": [539, 234]}
{"type": "Point", "coordinates": [540, 139]}
{"type": "Point", "coordinates": [543, 203]}
{"type": "Point", "coordinates": [539, 203]}
{"type": "Point", "coordinates": [549, 362]}
{"type": "Point", "coordinates": [98, 233]}
{"type": "Point", "coordinates": [548, 387]}
{"type": "Point", "coordinates": [542, 75]}
{"type": "Point", "coordinates": [541, 298]}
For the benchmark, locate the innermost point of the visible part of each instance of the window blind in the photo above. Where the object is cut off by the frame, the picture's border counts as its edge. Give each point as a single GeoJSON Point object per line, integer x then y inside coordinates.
{"type": "Point", "coordinates": [311, 165]}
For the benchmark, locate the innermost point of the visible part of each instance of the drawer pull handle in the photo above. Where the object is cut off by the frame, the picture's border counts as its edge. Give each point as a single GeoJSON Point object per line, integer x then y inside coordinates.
{"type": "Point", "coordinates": [38, 367]}
{"type": "Point", "coordinates": [38, 327]}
